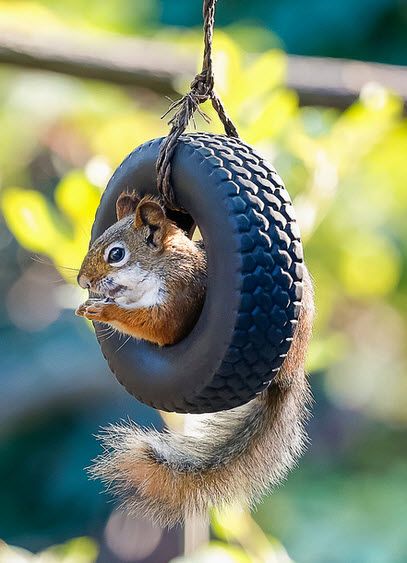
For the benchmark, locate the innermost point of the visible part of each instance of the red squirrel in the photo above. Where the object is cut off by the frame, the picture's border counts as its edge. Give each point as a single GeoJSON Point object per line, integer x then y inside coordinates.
{"type": "Point", "coordinates": [150, 279]}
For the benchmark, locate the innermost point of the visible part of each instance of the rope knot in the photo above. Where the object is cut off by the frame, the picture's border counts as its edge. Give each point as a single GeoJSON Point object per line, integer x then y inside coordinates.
{"type": "Point", "coordinates": [202, 85]}
{"type": "Point", "coordinates": [202, 89]}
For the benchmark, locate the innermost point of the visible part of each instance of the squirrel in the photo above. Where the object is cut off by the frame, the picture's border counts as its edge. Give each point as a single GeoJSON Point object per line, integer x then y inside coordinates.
{"type": "Point", "coordinates": [150, 282]}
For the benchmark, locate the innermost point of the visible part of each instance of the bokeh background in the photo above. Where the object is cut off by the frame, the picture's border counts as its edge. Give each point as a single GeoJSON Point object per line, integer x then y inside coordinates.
{"type": "Point", "coordinates": [346, 169]}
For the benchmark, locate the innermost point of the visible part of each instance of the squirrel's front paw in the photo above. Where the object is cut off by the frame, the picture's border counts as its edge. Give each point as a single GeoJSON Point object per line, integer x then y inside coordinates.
{"type": "Point", "coordinates": [92, 309]}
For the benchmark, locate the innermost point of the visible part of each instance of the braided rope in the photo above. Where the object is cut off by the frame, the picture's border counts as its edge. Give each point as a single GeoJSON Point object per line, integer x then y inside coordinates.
{"type": "Point", "coordinates": [201, 90]}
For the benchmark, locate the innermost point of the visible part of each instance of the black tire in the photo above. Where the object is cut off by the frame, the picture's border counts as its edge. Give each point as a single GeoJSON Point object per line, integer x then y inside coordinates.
{"type": "Point", "coordinates": [255, 269]}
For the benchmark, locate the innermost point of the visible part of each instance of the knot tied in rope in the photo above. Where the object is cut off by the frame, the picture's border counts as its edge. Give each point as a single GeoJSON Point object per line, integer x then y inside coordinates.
{"type": "Point", "coordinates": [201, 90]}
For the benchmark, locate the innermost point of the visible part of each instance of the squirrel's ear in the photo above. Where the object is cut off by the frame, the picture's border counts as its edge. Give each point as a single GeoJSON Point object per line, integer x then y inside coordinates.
{"type": "Point", "coordinates": [149, 213]}
{"type": "Point", "coordinates": [126, 204]}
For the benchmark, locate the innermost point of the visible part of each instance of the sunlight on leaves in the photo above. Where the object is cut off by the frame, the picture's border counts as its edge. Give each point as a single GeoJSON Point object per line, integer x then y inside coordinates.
{"type": "Point", "coordinates": [78, 550]}
{"type": "Point", "coordinates": [235, 524]}
{"type": "Point", "coordinates": [31, 219]}
{"type": "Point", "coordinates": [216, 551]}
{"type": "Point", "coordinates": [61, 232]}
{"type": "Point", "coordinates": [369, 267]}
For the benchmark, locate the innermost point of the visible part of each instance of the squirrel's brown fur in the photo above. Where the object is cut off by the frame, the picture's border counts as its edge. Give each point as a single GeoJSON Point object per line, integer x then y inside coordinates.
{"type": "Point", "coordinates": [157, 250]}
{"type": "Point", "coordinates": [236, 455]}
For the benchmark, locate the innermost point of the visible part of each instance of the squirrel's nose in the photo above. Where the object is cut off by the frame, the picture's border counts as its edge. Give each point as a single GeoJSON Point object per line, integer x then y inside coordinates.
{"type": "Point", "coordinates": [84, 281]}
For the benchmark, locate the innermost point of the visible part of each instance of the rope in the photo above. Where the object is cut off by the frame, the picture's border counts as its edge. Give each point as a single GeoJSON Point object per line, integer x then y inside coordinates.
{"type": "Point", "coordinates": [201, 90]}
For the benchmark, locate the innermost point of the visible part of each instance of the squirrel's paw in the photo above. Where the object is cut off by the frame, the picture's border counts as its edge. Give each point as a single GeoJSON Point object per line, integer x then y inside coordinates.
{"type": "Point", "coordinates": [92, 309]}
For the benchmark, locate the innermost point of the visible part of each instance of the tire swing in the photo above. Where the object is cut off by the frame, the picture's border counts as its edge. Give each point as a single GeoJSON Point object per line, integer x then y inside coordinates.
{"type": "Point", "coordinates": [254, 255]}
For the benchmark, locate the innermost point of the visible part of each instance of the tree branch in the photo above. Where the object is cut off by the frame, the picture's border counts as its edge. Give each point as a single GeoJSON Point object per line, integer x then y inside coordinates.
{"type": "Point", "coordinates": [157, 66]}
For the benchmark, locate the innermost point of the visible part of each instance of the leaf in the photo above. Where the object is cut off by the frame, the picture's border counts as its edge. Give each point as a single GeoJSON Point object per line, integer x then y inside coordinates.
{"type": "Point", "coordinates": [77, 198]}
{"type": "Point", "coordinates": [267, 72]}
{"type": "Point", "coordinates": [216, 551]}
{"type": "Point", "coordinates": [30, 218]}
{"type": "Point", "coordinates": [77, 550]}
{"type": "Point", "coordinates": [279, 108]}
{"type": "Point", "coordinates": [369, 266]}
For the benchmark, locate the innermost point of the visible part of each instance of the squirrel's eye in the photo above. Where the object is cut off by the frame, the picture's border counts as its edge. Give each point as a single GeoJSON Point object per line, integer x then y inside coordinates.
{"type": "Point", "coordinates": [116, 254]}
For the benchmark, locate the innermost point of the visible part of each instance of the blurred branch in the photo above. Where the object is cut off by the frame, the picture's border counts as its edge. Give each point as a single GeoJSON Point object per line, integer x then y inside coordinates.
{"type": "Point", "coordinates": [337, 82]}
{"type": "Point", "coordinates": [135, 62]}
{"type": "Point", "coordinates": [157, 66]}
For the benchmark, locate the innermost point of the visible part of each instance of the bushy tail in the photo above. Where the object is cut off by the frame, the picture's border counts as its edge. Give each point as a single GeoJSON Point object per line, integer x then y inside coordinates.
{"type": "Point", "coordinates": [236, 455]}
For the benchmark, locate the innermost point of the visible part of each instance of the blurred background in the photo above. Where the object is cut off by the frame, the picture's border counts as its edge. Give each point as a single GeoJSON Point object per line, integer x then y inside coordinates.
{"type": "Point", "coordinates": [82, 82]}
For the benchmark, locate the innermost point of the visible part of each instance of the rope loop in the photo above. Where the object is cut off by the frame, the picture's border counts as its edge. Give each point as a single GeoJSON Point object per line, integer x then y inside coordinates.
{"type": "Point", "coordinates": [201, 90]}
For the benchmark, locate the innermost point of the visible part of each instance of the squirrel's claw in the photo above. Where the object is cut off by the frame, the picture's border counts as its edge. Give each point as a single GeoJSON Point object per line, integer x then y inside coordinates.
{"type": "Point", "coordinates": [92, 309]}
{"type": "Point", "coordinates": [80, 311]}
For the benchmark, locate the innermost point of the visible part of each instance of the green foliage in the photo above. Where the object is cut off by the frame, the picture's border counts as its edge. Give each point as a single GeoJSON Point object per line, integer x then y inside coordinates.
{"type": "Point", "coordinates": [351, 518]}
{"type": "Point", "coordinates": [241, 540]}
{"type": "Point", "coordinates": [59, 230]}
{"type": "Point", "coordinates": [216, 551]}
{"type": "Point", "coordinates": [79, 550]}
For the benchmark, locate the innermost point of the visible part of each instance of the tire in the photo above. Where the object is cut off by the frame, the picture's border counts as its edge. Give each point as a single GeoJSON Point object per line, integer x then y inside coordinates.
{"type": "Point", "coordinates": [255, 269]}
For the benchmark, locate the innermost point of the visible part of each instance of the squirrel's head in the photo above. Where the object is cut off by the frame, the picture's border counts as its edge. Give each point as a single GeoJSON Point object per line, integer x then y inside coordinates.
{"type": "Point", "coordinates": [125, 262]}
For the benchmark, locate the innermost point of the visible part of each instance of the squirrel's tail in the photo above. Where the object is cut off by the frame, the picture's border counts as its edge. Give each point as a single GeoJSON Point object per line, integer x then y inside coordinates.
{"type": "Point", "coordinates": [235, 456]}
